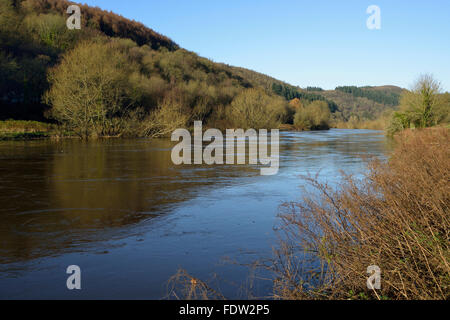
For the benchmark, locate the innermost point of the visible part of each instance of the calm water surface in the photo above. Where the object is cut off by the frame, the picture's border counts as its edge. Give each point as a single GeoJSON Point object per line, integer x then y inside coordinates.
{"type": "Point", "coordinates": [130, 219]}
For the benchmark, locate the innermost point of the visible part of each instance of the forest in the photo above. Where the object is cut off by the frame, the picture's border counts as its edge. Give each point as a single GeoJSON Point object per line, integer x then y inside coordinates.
{"type": "Point", "coordinates": [385, 96]}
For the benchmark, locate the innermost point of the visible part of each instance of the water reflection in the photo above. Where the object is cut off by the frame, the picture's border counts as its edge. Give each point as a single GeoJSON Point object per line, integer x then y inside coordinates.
{"type": "Point", "coordinates": [56, 195]}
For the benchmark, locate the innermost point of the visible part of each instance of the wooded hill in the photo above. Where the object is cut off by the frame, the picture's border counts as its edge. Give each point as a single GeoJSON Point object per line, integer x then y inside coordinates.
{"type": "Point", "coordinates": [365, 103]}
{"type": "Point", "coordinates": [153, 83]}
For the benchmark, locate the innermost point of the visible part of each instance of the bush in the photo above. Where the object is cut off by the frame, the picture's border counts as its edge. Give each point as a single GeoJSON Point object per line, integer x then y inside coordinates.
{"type": "Point", "coordinates": [253, 108]}
{"type": "Point", "coordinates": [89, 89]}
{"type": "Point", "coordinates": [315, 116]}
{"type": "Point", "coordinates": [169, 116]}
{"type": "Point", "coordinates": [396, 218]}
{"type": "Point", "coordinates": [423, 106]}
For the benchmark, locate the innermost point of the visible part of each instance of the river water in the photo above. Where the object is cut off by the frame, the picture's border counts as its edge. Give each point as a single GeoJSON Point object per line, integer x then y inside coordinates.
{"type": "Point", "coordinates": [130, 219]}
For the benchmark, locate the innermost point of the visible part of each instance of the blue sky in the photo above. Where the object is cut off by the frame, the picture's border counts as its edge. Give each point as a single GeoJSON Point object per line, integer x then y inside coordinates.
{"type": "Point", "coordinates": [308, 43]}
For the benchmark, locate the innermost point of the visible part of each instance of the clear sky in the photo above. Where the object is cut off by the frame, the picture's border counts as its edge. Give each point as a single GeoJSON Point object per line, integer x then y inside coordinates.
{"type": "Point", "coordinates": [322, 43]}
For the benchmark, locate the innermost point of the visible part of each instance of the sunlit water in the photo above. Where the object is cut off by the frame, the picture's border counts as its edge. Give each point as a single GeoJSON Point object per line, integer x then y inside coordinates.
{"type": "Point", "coordinates": [130, 219]}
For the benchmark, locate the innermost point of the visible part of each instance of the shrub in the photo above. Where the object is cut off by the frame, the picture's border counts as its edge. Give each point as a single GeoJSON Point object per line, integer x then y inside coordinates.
{"type": "Point", "coordinates": [253, 108]}
{"type": "Point", "coordinates": [89, 89]}
{"type": "Point", "coordinates": [315, 116]}
{"type": "Point", "coordinates": [169, 116]}
{"type": "Point", "coordinates": [396, 218]}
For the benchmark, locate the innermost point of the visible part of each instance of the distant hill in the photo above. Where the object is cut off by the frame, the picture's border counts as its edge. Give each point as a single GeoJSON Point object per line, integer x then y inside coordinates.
{"type": "Point", "coordinates": [366, 103]}
{"type": "Point", "coordinates": [283, 89]}
{"type": "Point", "coordinates": [388, 95]}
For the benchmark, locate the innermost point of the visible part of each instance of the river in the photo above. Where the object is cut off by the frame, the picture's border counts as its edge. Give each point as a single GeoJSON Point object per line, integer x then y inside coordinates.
{"type": "Point", "coordinates": [130, 219]}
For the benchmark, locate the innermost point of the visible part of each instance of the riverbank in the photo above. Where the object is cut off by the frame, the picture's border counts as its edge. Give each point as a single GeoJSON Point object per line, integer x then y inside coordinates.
{"type": "Point", "coordinates": [26, 130]}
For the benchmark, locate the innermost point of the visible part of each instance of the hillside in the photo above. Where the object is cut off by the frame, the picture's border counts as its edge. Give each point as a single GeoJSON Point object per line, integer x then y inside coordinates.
{"type": "Point", "coordinates": [364, 103]}
{"type": "Point", "coordinates": [144, 82]}
{"type": "Point", "coordinates": [108, 23]}
{"type": "Point", "coordinates": [34, 38]}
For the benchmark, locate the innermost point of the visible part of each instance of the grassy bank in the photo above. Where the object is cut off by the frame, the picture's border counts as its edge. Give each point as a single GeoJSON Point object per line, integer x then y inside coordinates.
{"type": "Point", "coordinates": [23, 130]}
{"type": "Point", "coordinates": [27, 130]}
